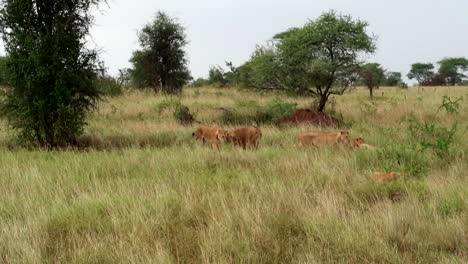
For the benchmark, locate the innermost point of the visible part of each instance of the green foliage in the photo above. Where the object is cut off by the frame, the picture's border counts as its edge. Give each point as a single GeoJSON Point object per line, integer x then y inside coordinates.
{"type": "Point", "coordinates": [403, 85]}
{"type": "Point", "coordinates": [405, 158]}
{"type": "Point", "coordinates": [123, 78]}
{"type": "Point", "coordinates": [183, 115]}
{"type": "Point", "coordinates": [161, 63]}
{"type": "Point", "coordinates": [4, 74]}
{"type": "Point", "coordinates": [422, 72]}
{"type": "Point", "coordinates": [167, 103]}
{"type": "Point", "coordinates": [109, 86]}
{"type": "Point", "coordinates": [181, 112]}
{"type": "Point", "coordinates": [267, 114]}
{"type": "Point", "coordinates": [216, 76]}
{"type": "Point", "coordinates": [318, 59]}
{"type": "Point", "coordinates": [402, 155]}
{"type": "Point", "coordinates": [392, 79]}
{"type": "Point", "coordinates": [371, 75]}
{"type": "Point", "coordinates": [200, 82]}
{"type": "Point", "coordinates": [372, 192]}
{"type": "Point", "coordinates": [52, 73]}
{"type": "Point", "coordinates": [449, 105]}
{"type": "Point", "coordinates": [262, 71]}
{"type": "Point", "coordinates": [274, 111]}
{"type": "Point", "coordinates": [434, 136]}
{"type": "Point", "coordinates": [453, 69]}
{"type": "Point", "coordinates": [452, 204]}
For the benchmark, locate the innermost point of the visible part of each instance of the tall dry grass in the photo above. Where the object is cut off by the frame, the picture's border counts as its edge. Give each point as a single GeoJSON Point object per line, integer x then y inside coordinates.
{"type": "Point", "coordinates": [145, 192]}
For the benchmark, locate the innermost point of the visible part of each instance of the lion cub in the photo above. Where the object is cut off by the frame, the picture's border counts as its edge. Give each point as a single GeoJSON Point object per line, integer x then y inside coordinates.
{"type": "Point", "coordinates": [360, 143]}
{"type": "Point", "coordinates": [213, 135]}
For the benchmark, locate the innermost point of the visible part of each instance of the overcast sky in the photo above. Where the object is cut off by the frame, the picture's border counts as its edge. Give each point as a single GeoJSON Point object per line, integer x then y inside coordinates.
{"type": "Point", "coordinates": [218, 30]}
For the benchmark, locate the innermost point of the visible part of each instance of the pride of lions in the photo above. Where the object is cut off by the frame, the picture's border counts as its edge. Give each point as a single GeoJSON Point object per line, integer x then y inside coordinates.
{"type": "Point", "coordinates": [249, 137]}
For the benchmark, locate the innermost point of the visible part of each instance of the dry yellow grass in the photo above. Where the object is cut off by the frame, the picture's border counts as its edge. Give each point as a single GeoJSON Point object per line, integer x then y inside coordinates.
{"type": "Point", "coordinates": [147, 193]}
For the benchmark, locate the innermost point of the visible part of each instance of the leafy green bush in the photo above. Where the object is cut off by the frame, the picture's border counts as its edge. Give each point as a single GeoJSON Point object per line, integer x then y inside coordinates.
{"type": "Point", "coordinates": [181, 112]}
{"type": "Point", "coordinates": [231, 117]}
{"type": "Point", "coordinates": [183, 115]}
{"type": "Point", "coordinates": [109, 86]}
{"type": "Point", "coordinates": [273, 111]}
{"type": "Point", "coordinates": [256, 114]}
{"type": "Point", "coordinates": [168, 103]}
{"type": "Point", "coordinates": [53, 71]}
{"type": "Point", "coordinates": [436, 137]}
{"type": "Point", "coordinates": [452, 204]}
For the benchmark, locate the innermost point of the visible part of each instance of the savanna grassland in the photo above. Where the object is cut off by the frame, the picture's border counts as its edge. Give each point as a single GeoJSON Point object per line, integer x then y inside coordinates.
{"type": "Point", "coordinates": [141, 190]}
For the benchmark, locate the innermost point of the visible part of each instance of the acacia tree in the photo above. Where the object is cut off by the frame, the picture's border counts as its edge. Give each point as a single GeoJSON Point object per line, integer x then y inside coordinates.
{"type": "Point", "coordinates": [322, 57]}
{"type": "Point", "coordinates": [371, 75]}
{"type": "Point", "coordinates": [161, 63]}
{"type": "Point", "coordinates": [422, 72]}
{"type": "Point", "coordinates": [52, 73]}
{"type": "Point", "coordinates": [392, 79]}
{"type": "Point", "coordinates": [453, 69]}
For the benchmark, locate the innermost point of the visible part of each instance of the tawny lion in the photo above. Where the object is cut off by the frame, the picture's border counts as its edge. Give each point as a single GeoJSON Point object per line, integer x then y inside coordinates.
{"type": "Point", "coordinates": [323, 138]}
{"type": "Point", "coordinates": [245, 137]}
{"type": "Point", "coordinates": [213, 135]}
{"type": "Point", "coordinates": [382, 177]}
{"type": "Point", "coordinates": [360, 143]}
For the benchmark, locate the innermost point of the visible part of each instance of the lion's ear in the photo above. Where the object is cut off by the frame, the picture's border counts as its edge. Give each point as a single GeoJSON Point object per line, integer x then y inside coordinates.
{"type": "Point", "coordinates": [193, 134]}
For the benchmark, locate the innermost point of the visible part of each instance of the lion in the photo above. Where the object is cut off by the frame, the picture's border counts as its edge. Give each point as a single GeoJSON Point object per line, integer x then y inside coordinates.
{"type": "Point", "coordinates": [382, 177]}
{"type": "Point", "coordinates": [245, 137]}
{"type": "Point", "coordinates": [214, 135]}
{"type": "Point", "coordinates": [357, 142]}
{"type": "Point", "coordinates": [323, 138]}
{"type": "Point", "coordinates": [361, 144]}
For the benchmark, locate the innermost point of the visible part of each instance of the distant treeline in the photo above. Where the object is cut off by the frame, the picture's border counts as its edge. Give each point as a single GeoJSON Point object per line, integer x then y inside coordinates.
{"type": "Point", "coordinates": [451, 72]}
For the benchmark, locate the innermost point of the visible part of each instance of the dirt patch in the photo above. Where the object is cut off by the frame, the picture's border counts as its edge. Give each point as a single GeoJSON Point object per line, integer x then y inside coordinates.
{"type": "Point", "coordinates": [308, 117]}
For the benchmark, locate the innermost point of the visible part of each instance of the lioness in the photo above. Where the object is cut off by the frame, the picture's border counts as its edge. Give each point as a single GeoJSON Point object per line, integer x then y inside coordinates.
{"type": "Point", "coordinates": [381, 177]}
{"type": "Point", "coordinates": [213, 135]}
{"type": "Point", "coordinates": [245, 137]}
{"type": "Point", "coordinates": [323, 138]}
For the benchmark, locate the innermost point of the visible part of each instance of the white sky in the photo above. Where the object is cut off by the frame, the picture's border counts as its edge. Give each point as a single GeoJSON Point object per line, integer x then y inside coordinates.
{"type": "Point", "coordinates": [218, 30]}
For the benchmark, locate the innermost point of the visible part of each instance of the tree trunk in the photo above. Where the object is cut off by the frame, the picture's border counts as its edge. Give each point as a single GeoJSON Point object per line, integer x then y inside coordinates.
{"type": "Point", "coordinates": [322, 103]}
{"type": "Point", "coordinates": [371, 92]}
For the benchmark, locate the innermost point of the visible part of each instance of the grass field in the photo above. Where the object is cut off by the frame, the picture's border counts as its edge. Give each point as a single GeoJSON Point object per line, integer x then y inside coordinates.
{"type": "Point", "coordinates": [145, 192]}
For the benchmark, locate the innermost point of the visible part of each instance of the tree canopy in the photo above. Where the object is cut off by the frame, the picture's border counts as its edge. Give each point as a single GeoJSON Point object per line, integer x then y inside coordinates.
{"type": "Point", "coordinates": [319, 59]}
{"type": "Point", "coordinates": [161, 63]}
{"type": "Point", "coordinates": [453, 70]}
{"type": "Point", "coordinates": [422, 72]}
{"type": "Point", "coordinates": [371, 75]}
{"type": "Point", "coordinates": [392, 79]}
{"type": "Point", "coordinates": [52, 72]}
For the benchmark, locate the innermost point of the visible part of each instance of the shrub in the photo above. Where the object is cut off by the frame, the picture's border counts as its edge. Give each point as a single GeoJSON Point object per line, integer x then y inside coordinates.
{"type": "Point", "coordinates": [53, 73]}
{"type": "Point", "coordinates": [183, 115]}
{"type": "Point", "coordinates": [405, 158]}
{"type": "Point", "coordinates": [451, 204]}
{"type": "Point", "coordinates": [231, 117]}
{"type": "Point", "coordinates": [267, 114]}
{"type": "Point", "coordinates": [161, 63]}
{"type": "Point", "coordinates": [109, 86]}
{"type": "Point", "coordinates": [273, 111]}
{"type": "Point", "coordinates": [436, 137]}
{"type": "Point", "coordinates": [168, 103]}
